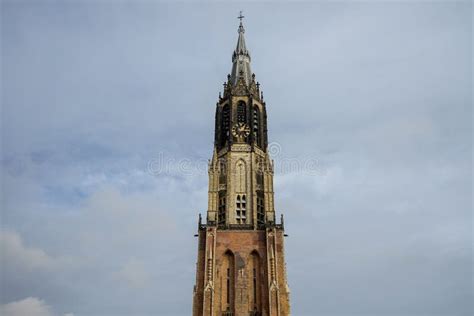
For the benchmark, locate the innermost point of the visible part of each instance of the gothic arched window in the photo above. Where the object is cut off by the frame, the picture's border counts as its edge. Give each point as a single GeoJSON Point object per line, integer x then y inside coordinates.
{"type": "Point", "coordinates": [240, 177]}
{"type": "Point", "coordinates": [222, 171]}
{"type": "Point", "coordinates": [241, 112]}
{"type": "Point", "coordinates": [256, 125]}
{"type": "Point", "coordinates": [254, 289]}
{"type": "Point", "coordinates": [225, 123]}
{"type": "Point", "coordinates": [228, 273]}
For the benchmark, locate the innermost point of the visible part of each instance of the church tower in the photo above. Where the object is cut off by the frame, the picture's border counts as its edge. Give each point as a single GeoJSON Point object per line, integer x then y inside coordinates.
{"type": "Point", "coordinates": [241, 267]}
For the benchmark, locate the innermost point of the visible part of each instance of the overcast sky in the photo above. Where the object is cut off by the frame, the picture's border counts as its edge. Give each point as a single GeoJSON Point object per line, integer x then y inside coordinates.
{"type": "Point", "coordinates": [107, 124]}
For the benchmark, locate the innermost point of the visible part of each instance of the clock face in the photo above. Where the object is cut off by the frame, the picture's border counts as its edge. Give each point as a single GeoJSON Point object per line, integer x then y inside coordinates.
{"type": "Point", "coordinates": [240, 130]}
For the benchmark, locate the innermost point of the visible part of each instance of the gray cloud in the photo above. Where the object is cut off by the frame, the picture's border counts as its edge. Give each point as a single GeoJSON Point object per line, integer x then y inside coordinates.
{"type": "Point", "coordinates": [379, 94]}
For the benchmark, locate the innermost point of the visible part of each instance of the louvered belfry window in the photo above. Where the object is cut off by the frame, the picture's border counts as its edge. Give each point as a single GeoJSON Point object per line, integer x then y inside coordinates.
{"type": "Point", "coordinates": [256, 125]}
{"type": "Point", "coordinates": [222, 208]}
{"type": "Point", "coordinates": [260, 209]}
{"type": "Point", "coordinates": [225, 123]}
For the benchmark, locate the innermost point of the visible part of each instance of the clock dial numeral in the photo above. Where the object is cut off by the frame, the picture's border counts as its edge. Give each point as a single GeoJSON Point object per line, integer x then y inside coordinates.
{"type": "Point", "coordinates": [240, 130]}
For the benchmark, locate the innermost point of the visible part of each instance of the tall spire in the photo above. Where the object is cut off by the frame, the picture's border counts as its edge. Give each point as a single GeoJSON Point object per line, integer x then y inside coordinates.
{"type": "Point", "coordinates": [231, 277]}
{"type": "Point", "coordinates": [241, 58]}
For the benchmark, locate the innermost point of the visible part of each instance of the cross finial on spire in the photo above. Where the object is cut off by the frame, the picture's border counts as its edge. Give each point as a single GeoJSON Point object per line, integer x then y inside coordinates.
{"type": "Point", "coordinates": [241, 26]}
{"type": "Point", "coordinates": [240, 17]}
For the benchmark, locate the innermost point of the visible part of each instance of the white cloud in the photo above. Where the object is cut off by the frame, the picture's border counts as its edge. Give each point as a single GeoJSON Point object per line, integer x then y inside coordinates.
{"type": "Point", "coordinates": [16, 253]}
{"type": "Point", "coordinates": [30, 306]}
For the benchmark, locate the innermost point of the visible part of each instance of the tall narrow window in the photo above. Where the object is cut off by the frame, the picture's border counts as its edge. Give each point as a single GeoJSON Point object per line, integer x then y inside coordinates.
{"type": "Point", "coordinates": [222, 165]}
{"type": "Point", "coordinates": [241, 209]}
{"type": "Point", "coordinates": [241, 112]}
{"type": "Point", "coordinates": [225, 122]}
{"type": "Point", "coordinates": [222, 208]}
{"type": "Point", "coordinates": [260, 167]}
{"type": "Point", "coordinates": [256, 125]}
{"type": "Point", "coordinates": [240, 176]}
{"type": "Point", "coordinates": [254, 290]}
{"type": "Point", "coordinates": [260, 209]}
{"type": "Point", "coordinates": [227, 284]}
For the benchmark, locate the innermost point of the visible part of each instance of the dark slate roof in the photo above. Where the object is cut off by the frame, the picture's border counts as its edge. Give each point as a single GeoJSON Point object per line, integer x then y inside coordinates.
{"type": "Point", "coordinates": [241, 60]}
